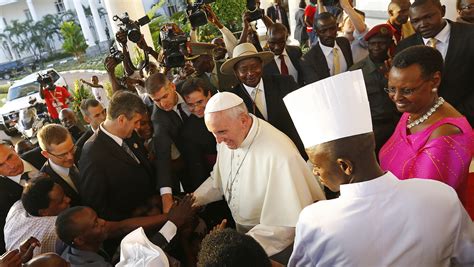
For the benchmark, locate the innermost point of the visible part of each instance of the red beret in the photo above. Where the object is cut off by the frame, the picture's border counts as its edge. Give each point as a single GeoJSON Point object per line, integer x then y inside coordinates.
{"type": "Point", "coordinates": [382, 29]}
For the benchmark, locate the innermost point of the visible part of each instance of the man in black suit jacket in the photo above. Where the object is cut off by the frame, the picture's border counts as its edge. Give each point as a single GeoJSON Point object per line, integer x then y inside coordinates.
{"type": "Point", "coordinates": [94, 114]}
{"type": "Point", "coordinates": [291, 55]}
{"type": "Point", "coordinates": [116, 179]}
{"type": "Point", "coordinates": [169, 113]}
{"type": "Point", "coordinates": [12, 172]}
{"type": "Point", "coordinates": [57, 146]}
{"type": "Point", "coordinates": [458, 80]}
{"type": "Point", "coordinates": [319, 62]}
{"type": "Point", "coordinates": [278, 14]}
{"type": "Point", "coordinates": [263, 95]}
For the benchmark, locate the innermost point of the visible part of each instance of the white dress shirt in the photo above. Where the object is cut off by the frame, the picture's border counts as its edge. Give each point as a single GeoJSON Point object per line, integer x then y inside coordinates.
{"type": "Point", "coordinates": [442, 40]}
{"type": "Point", "coordinates": [100, 95]}
{"type": "Point", "coordinates": [19, 226]}
{"type": "Point", "coordinates": [386, 222]}
{"type": "Point", "coordinates": [260, 95]}
{"type": "Point", "coordinates": [63, 172]}
{"type": "Point", "coordinates": [266, 183]}
{"type": "Point", "coordinates": [27, 167]}
{"type": "Point", "coordinates": [291, 68]}
{"type": "Point", "coordinates": [328, 53]}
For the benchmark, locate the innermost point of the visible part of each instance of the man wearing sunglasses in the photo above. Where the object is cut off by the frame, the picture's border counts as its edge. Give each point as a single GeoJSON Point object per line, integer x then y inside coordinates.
{"type": "Point", "coordinates": [57, 146]}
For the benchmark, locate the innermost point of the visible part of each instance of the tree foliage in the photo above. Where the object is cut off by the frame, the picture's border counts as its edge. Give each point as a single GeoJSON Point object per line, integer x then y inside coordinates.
{"type": "Point", "coordinates": [74, 41]}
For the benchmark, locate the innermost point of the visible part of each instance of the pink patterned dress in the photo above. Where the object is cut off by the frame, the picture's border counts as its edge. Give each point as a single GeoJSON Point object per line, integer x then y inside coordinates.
{"type": "Point", "coordinates": [445, 159]}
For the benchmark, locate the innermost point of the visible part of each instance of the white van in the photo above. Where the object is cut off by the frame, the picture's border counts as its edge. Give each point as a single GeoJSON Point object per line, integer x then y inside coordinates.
{"type": "Point", "coordinates": [19, 94]}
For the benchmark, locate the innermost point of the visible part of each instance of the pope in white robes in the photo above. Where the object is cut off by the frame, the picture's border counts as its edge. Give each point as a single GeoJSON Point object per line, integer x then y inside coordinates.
{"type": "Point", "coordinates": [264, 179]}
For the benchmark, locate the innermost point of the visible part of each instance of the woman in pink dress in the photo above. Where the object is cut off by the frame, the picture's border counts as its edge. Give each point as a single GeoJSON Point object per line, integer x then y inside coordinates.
{"type": "Point", "coordinates": [432, 139]}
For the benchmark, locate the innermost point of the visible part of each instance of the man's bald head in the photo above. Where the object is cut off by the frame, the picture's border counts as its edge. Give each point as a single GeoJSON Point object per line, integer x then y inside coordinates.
{"type": "Point", "coordinates": [277, 28]}
{"type": "Point", "coordinates": [47, 260]}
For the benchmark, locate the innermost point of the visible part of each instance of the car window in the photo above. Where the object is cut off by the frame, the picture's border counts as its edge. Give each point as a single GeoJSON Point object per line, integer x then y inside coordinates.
{"type": "Point", "coordinates": [22, 90]}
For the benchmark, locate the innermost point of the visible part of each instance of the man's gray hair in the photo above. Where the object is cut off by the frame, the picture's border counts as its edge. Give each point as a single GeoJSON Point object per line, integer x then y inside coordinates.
{"type": "Point", "coordinates": [236, 111]}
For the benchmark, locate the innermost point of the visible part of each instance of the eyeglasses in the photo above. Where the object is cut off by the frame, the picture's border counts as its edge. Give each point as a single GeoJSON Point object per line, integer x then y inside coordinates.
{"type": "Point", "coordinates": [199, 103]}
{"type": "Point", "coordinates": [402, 91]}
{"type": "Point", "coordinates": [467, 7]}
{"type": "Point", "coordinates": [64, 155]}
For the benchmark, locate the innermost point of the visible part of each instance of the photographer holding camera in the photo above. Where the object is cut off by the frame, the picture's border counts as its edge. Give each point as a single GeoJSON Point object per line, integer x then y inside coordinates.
{"type": "Point", "coordinates": [56, 97]}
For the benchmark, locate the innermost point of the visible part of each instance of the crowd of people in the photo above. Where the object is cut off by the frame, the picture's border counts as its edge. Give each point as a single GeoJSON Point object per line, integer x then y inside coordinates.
{"type": "Point", "coordinates": [253, 153]}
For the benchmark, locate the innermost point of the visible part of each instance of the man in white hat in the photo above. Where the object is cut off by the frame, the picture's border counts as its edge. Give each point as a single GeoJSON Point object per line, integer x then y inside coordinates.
{"type": "Point", "coordinates": [260, 173]}
{"type": "Point", "coordinates": [378, 220]}
{"type": "Point", "coordinates": [263, 94]}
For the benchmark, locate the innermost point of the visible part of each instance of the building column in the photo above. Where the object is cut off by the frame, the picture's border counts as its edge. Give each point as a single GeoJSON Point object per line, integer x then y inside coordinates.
{"type": "Point", "coordinates": [32, 10]}
{"type": "Point", "coordinates": [118, 7]}
{"type": "Point", "coordinates": [293, 6]}
{"type": "Point", "coordinates": [7, 39]}
{"type": "Point", "coordinates": [67, 6]}
{"type": "Point", "coordinates": [86, 31]}
{"type": "Point", "coordinates": [97, 21]}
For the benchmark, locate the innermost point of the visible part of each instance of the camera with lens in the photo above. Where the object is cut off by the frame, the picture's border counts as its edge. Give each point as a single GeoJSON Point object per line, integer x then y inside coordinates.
{"type": "Point", "coordinates": [46, 81]}
{"type": "Point", "coordinates": [173, 40]}
{"type": "Point", "coordinates": [255, 13]}
{"type": "Point", "coordinates": [196, 15]}
{"type": "Point", "coordinates": [116, 54]}
{"type": "Point", "coordinates": [131, 27]}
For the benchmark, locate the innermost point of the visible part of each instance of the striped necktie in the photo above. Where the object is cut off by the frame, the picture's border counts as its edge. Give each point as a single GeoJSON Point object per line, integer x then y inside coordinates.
{"type": "Point", "coordinates": [433, 42]}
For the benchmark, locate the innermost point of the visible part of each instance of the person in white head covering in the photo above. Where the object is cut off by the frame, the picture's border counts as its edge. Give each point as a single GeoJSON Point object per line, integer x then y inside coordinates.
{"type": "Point", "coordinates": [378, 220]}
{"type": "Point", "coordinates": [259, 171]}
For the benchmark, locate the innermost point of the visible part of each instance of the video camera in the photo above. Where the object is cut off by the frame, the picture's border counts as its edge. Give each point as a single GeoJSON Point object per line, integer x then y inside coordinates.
{"type": "Point", "coordinates": [132, 27]}
{"type": "Point", "coordinates": [46, 80]}
{"type": "Point", "coordinates": [173, 40]}
{"type": "Point", "coordinates": [196, 15]}
{"type": "Point", "coordinates": [255, 13]}
{"type": "Point", "coordinates": [116, 54]}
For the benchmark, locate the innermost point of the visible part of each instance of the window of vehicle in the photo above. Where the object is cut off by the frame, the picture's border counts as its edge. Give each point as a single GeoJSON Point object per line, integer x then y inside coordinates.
{"type": "Point", "coordinates": [54, 75]}
{"type": "Point", "coordinates": [22, 90]}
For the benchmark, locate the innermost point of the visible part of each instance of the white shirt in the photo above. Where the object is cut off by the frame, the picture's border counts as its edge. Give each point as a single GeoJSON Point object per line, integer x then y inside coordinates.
{"type": "Point", "coordinates": [442, 40]}
{"type": "Point", "coordinates": [260, 95]}
{"type": "Point", "coordinates": [100, 95]}
{"type": "Point", "coordinates": [272, 185]}
{"type": "Point", "coordinates": [386, 222]}
{"type": "Point", "coordinates": [291, 68]}
{"type": "Point", "coordinates": [328, 53]}
{"type": "Point", "coordinates": [19, 226]}
{"type": "Point", "coordinates": [27, 167]}
{"type": "Point", "coordinates": [64, 173]}
{"type": "Point", "coordinates": [184, 107]}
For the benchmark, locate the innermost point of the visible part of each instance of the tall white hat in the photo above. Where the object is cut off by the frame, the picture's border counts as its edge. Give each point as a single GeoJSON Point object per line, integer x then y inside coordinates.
{"type": "Point", "coordinates": [222, 101]}
{"type": "Point", "coordinates": [137, 250]}
{"type": "Point", "coordinates": [330, 109]}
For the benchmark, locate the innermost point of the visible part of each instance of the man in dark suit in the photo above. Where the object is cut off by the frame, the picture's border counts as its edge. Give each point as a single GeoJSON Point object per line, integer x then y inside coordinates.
{"type": "Point", "coordinates": [278, 14]}
{"type": "Point", "coordinates": [330, 55]}
{"type": "Point", "coordinates": [199, 150]}
{"type": "Point", "coordinates": [455, 41]}
{"type": "Point", "coordinates": [169, 113]}
{"type": "Point", "coordinates": [116, 179]}
{"type": "Point", "coordinates": [57, 146]}
{"type": "Point", "coordinates": [13, 173]}
{"type": "Point", "coordinates": [287, 59]}
{"type": "Point", "coordinates": [94, 114]}
{"type": "Point", "coordinates": [262, 94]}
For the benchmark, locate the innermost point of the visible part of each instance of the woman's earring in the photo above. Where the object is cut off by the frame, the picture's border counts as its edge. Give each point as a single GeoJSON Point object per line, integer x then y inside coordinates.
{"type": "Point", "coordinates": [434, 90]}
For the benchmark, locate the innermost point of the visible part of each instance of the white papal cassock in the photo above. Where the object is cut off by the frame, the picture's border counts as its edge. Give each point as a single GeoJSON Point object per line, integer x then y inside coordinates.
{"type": "Point", "coordinates": [386, 222]}
{"type": "Point", "coordinates": [266, 183]}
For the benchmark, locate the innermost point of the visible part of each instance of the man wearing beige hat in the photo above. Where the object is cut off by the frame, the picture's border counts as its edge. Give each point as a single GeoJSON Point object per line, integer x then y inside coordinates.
{"type": "Point", "coordinates": [378, 220]}
{"type": "Point", "coordinates": [260, 173]}
{"type": "Point", "coordinates": [263, 94]}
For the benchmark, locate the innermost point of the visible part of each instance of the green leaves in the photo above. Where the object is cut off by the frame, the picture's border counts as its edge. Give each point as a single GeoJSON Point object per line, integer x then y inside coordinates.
{"type": "Point", "coordinates": [74, 41]}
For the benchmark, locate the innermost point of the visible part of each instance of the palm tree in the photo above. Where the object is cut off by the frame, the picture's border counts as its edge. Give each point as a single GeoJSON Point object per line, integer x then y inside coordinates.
{"type": "Point", "coordinates": [74, 41]}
